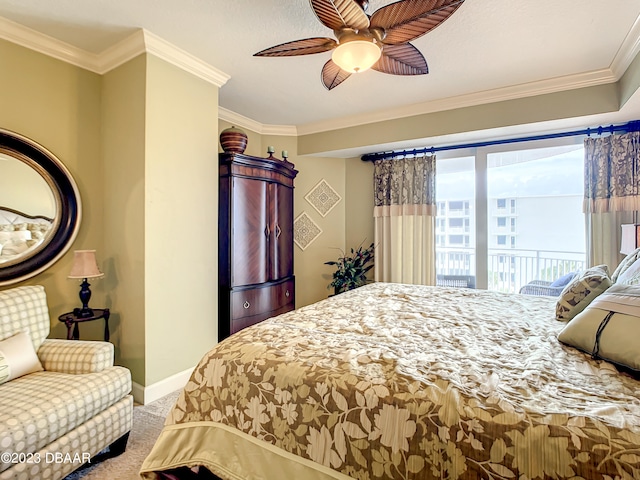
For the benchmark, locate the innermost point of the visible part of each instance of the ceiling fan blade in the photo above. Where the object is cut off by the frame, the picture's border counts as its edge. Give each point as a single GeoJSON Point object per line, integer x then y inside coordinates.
{"type": "Point", "coordinates": [299, 47]}
{"type": "Point", "coordinates": [337, 14]}
{"type": "Point", "coordinates": [407, 20]}
{"type": "Point", "coordinates": [403, 59]}
{"type": "Point", "coordinates": [333, 75]}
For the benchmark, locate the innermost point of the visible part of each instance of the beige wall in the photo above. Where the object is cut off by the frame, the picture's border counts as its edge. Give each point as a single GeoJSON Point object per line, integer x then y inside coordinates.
{"type": "Point", "coordinates": [58, 105]}
{"type": "Point", "coordinates": [123, 120]}
{"type": "Point", "coordinates": [181, 216]}
{"type": "Point", "coordinates": [141, 143]}
{"type": "Point", "coordinates": [359, 202]}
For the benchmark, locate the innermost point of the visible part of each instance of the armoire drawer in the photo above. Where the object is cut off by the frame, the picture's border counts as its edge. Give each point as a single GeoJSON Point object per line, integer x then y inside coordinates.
{"type": "Point", "coordinates": [246, 303]}
{"type": "Point", "coordinates": [238, 324]}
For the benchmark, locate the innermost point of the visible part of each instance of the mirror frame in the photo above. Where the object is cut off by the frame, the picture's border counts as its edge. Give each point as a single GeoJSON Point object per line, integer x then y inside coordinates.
{"type": "Point", "coordinates": [67, 198]}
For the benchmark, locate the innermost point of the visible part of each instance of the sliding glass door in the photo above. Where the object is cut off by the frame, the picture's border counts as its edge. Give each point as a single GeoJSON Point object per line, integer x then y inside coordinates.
{"type": "Point", "coordinates": [509, 216]}
{"type": "Point", "coordinates": [455, 219]}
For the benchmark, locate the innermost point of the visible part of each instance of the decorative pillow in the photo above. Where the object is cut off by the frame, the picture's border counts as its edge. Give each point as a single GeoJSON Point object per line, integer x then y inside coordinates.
{"type": "Point", "coordinates": [624, 264]}
{"type": "Point", "coordinates": [563, 280]}
{"type": "Point", "coordinates": [579, 293]}
{"type": "Point", "coordinates": [17, 357]}
{"type": "Point", "coordinates": [609, 328]}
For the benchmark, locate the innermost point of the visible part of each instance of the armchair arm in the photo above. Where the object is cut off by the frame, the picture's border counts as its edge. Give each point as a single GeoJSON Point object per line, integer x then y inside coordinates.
{"type": "Point", "coordinates": [533, 289]}
{"type": "Point", "coordinates": [542, 283]}
{"type": "Point", "coordinates": [75, 356]}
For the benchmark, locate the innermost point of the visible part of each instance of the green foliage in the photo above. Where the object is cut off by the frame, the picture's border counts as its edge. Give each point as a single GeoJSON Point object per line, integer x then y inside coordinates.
{"type": "Point", "coordinates": [352, 270]}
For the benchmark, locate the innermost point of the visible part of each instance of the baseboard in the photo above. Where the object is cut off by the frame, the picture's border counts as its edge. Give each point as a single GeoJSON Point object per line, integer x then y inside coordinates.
{"type": "Point", "coordinates": [147, 394]}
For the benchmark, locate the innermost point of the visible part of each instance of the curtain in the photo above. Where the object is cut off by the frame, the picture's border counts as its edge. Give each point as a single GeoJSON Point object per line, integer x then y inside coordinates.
{"type": "Point", "coordinates": [611, 193]}
{"type": "Point", "coordinates": [404, 214]}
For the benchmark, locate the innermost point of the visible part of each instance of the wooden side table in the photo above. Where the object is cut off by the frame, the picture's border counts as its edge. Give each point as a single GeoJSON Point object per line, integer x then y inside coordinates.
{"type": "Point", "coordinates": [70, 319]}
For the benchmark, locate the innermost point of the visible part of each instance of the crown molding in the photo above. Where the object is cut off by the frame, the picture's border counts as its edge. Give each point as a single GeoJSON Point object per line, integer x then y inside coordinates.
{"type": "Point", "coordinates": [245, 122]}
{"type": "Point", "coordinates": [184, 60]}
{"type": "Point", "coordinates": [122, 52]}
{"type": "Point", "coordinates": [628, 50]}
{"type": "Point", "coordinates": [140, 41]}
{"type": "Point", "coordinates": [39, 42]}
{"type": "Point", "coordinates": [541, 87]}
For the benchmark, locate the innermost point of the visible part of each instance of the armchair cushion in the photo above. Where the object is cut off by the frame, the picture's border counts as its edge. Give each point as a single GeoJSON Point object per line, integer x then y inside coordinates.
{"type": "Point", "coordinates": [37, 409]}
{"type": "Point", "coordinates": [17, 357]}
{"type": "Point", "coordinates": [24, 309]}
{"type": "Point", "coordinates": [563, 280]}
{"type": "Point", "coordinates": [75, 356]}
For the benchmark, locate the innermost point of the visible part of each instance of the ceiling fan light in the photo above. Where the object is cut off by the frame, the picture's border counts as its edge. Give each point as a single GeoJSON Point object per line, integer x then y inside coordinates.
{"type": "Point", "coordinates": [356, 56]}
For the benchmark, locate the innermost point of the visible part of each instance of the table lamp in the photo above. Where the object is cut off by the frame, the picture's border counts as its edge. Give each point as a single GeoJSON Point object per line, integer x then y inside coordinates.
{"type": "Point", "coordinates": [630, 238]}
{"type": "Point", "coordinates": [84, 266]}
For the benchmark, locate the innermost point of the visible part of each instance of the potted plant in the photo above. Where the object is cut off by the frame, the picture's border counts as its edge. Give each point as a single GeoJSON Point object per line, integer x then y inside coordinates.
{"type": "Point", "coordinates": [351, 269]}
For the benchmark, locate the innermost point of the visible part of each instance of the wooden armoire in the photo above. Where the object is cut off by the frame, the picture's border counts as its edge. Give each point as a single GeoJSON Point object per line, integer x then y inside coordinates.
{"type": "Point", "coordinates": [255, 250]}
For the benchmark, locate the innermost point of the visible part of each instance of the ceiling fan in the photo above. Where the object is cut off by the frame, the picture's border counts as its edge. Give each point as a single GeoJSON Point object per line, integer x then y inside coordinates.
{"type": "Point", "coordinates": [380, 41]}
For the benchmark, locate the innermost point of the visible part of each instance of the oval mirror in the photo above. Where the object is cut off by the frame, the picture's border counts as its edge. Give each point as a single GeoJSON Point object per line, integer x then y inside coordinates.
{"type": "Point", "coordinates": [40, 208]}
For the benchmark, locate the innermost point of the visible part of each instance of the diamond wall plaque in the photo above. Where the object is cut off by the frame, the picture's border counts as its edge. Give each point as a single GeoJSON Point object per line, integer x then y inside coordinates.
{"type": "Point", "coordinates": [305, 230]}
{"type": "Point", "coordinates": [323, 198]}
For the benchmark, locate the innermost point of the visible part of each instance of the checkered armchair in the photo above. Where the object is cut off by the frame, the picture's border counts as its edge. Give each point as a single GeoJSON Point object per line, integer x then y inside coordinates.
{"type": "Point", "coordinates": [57, 397]}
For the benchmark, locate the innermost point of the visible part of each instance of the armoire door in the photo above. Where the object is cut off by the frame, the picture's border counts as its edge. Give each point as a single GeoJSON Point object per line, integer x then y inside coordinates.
{"type": "Point", "coordinates": [250, 232]}
{"type": "Point", "coordinates": [281, 248]}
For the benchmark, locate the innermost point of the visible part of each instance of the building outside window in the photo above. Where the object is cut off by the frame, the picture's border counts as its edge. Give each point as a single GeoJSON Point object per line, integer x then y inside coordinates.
{"type": "Point", "coordinates": [513, 239]}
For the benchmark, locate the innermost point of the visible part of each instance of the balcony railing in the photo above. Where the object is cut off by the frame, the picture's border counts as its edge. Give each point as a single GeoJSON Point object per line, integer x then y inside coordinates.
{"type": "Point", "coordinates": [510, 268]}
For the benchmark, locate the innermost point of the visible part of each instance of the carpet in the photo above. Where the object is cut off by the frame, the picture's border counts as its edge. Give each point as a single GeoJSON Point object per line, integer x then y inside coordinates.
{"type": "Point", "coordinates": [147, 424]}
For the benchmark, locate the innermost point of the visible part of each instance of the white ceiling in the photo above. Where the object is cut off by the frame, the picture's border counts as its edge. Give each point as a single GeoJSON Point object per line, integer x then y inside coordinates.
{"type": "Point", "coordinates": [487, 48]}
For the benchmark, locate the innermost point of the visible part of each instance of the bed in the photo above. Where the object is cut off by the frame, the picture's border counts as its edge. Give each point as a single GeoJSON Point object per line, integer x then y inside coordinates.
{"type": "Point", "coordinates": [403, 382]}
{"type": "Point", "coordinates": [21, 234]}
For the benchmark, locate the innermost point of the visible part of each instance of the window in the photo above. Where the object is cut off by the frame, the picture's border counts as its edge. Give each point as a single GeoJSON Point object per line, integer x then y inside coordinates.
{"type": "Point", "coordinates": [531, 183]}
{"type": "Point", "coordinates": [456, 239]}
{"type": "Point", "coordinates": [455, 187]}
{"type": "Point", "coordinates": [513, 232]}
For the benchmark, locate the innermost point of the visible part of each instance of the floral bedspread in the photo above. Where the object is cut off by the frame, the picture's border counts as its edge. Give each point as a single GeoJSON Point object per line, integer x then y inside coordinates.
{"type": "Point", "coordinates": [405, 382]}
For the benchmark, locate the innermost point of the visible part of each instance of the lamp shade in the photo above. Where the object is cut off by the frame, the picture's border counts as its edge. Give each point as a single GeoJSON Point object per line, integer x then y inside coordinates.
{"type": "Point", "coordinates": [630, 238]}
{"type": "Point", "coordinates": [356, 56]}
{"type": "Point", "coordinates": [85, 265]}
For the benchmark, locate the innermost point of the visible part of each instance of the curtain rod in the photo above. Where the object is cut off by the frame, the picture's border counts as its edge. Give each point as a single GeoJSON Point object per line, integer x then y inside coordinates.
{"type": "Point", "coordinates": [633, 126]}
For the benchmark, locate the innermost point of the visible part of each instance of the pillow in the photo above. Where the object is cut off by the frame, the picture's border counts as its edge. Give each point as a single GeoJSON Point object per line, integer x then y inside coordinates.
{"type": "Point", "coordinates": [17, 357]}
{"type": "Point", "coordinates": [630, 276]}
{"type": "Point", "coordinates": [580, 291]}
{"type": "Point", "coordinates": [624, 264]}
{"type": "Point", "coordinates": [563, 280]}
{"type": "Point", "coordinates": [15, 236]}
{"type": "Point", "coordinates": [14, 248]}
{"type": "Point", "coordinates": [617, 313]}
